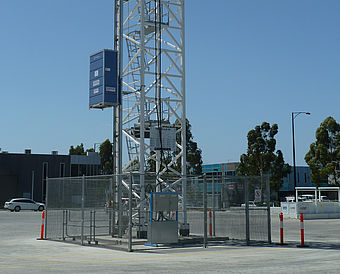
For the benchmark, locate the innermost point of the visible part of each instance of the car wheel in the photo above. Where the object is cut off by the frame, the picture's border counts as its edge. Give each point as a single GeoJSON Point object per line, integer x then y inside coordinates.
{"type": "Point", "coordinates": [17, 209]}
{"type": "Point", "coordinates": [41, 208]}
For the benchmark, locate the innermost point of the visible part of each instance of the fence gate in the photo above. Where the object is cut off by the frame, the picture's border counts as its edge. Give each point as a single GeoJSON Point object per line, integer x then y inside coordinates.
{"type": "Point", "coordinates": [85, 210]}
{"type": "Point", "coordinates": [233, 207]}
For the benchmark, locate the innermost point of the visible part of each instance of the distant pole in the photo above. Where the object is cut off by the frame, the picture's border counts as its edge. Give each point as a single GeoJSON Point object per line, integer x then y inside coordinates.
{"type": "Point", "coordinates": [82, 209]}
{"type": "Point", "coordinates": [246, 198]}
{"type": "Point", "coordinates": [130, 215]}
{"type": "Point", "coordinates": [210, 223]}
{"type": "Point", "coordinates": [294, 115]}
{"type": "Point", "coordinates": [205, 211]}
{"type": "Point", "coordinates": [294, 167]}
{"type": "Point", "coordinates": [213, 205]}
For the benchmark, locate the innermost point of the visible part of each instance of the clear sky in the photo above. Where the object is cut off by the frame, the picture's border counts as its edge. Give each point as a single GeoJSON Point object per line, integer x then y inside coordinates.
{"type": "Point", "coordinates": [247, 61]}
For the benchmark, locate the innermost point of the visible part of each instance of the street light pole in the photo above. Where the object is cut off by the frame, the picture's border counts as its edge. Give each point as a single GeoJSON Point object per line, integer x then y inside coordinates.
{"type": "Point", "coordinates": [294, 115]}
{"type": "Point", "coordinates": [294, 167]}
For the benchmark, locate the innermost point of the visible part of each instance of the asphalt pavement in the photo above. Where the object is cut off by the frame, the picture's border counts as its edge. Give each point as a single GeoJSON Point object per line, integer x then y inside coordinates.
{"type": "Point", "coordinates": [21, 252]}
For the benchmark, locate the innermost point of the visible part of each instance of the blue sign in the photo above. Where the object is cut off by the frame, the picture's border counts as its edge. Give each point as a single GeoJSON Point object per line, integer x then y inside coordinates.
{"type": "Point", "coordinates": [104, 79]}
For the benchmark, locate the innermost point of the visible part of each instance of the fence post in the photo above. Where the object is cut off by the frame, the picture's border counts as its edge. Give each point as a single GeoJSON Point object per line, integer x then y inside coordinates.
{"type": "Point", "coordinates": [63, 225]}
{"type": "Point", "coordinates": [268, 211]}
{"type": "Point", "coordinates": [222, 191]}
{"type": "Point", "coordinates": [246, 198]}
{"type": "Point", "coordinates": [67, 212]}
{"type": "Point", "coordinates": [120, 207]}
{"type": "Point", "coordinates": [210, 223]}
{"type": "Point", "coordinates": [109, 206]}
{"type": "Point", "coordinates": [82, 208]}
{"type": "Point", "coordinates": [130, 214]}
{"type": "Point", "coordinates": [213, 207]}
{"type": "Point", "coordinates": [205, 211]}
{"type": "Point", "coordinates": [94, 227]}
{"type": "Point", "coordinates": [90, 240]}
{"type": "Point", "coordinates": [113, 205]}
{"type": "Point", "coordinates": [184, 201]}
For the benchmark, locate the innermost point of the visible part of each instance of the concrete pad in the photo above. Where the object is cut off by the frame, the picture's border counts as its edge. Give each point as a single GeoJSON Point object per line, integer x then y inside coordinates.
{"type": "Point", "coordinates": [20, 252]}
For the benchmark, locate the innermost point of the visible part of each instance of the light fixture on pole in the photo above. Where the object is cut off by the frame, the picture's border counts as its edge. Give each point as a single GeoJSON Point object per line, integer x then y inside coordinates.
{"type": "Point", "coordinates": [294, 115]}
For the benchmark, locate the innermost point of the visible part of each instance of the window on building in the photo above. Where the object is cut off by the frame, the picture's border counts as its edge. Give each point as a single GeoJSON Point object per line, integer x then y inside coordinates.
{"type": "Point", "coordinates": [231, 173]}
{"type": "Point", "coordinates": [62, 170]}
{"type": "Point", "coordinates": [74, 170]}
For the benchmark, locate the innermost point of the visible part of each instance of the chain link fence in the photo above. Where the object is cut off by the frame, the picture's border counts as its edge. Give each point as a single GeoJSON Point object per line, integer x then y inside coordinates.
{"type": "Point", "coordinates": [108, 209]}
{"type": "Point", "coordinates": [230, 206]}
{"type": "Point", "coordinates": [85, 209]}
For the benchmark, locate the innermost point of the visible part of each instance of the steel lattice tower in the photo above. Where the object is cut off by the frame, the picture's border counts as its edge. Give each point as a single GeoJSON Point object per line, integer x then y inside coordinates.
{"type": "Point", "coordinates": [149, 36]}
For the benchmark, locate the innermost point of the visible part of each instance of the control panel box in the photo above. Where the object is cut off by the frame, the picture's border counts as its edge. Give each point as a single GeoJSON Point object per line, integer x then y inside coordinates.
{"type": "Point", "coordinates": [164, 201]}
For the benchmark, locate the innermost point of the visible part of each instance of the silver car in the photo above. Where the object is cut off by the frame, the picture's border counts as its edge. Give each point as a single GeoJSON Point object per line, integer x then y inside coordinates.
{"type": "Point", "coordinates": [251, 204]}
{"type": "Point", "coordinates": [18, 204]}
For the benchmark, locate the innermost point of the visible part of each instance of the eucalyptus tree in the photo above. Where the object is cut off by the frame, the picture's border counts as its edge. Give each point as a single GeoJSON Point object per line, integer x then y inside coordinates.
{"type": "Point", "coordinates": [262, 158]}
{"type": "Point", "coordinates": [78, 150]}
{"type": "Point", "coordinates": [323, 157]}
{"type": "Point", "coordinates": [106, 158]}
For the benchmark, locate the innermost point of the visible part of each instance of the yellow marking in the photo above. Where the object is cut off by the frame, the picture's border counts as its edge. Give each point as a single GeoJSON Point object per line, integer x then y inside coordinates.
{"type": "Point", "coordinates": [57, 256]}
{"type": "Point", "coordinates": [143, 257]}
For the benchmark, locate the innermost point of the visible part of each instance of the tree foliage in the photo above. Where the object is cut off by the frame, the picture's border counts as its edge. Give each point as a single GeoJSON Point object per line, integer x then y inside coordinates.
{"type": "Point", "coordinates": [261, 157]}
{"type": "Point", "coordinates": [78, 150]}
{"type": "Point", "coordinates": [106, 157]}
{"type": "Point", "coordinates": [323, 157]}
{"type": "Point", "coordinates": [105, 153]}
{"type": "Point", "coordinates": [194, 153]}
{"type": "Point", "coordinates": [151, 164]}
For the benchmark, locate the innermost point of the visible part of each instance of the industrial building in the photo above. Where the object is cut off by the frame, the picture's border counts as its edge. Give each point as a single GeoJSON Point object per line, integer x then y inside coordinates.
{"type": "Point", "coordinates": [25, 174]}
{"type": "Point", "coordinates": [225, 169]}
{"type": "Point", "coordinates": [303, 178]}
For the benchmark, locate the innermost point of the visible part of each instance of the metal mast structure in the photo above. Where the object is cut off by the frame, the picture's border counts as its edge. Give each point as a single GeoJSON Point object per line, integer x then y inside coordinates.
{"type": "Point", "coordinates": [150, 36]}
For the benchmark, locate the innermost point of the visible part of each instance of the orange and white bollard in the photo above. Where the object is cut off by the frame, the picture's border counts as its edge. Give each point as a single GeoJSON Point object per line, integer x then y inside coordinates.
{"type": "Point", "coordinates": [210, 223]}
{"type": "Point", "coordinates": [281, 228]}
{"type": "Point", "coordinates": [302, 228]}
{"type": "Point", "coordinates": [42, 225]}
